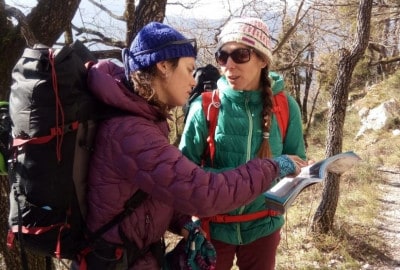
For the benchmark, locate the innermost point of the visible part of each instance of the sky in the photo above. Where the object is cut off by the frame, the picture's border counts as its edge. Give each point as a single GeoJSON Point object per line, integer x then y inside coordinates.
{"type": "Point", "coordinates": [204, 9]}
{"type": "Point", "coordinates": [86, 14]}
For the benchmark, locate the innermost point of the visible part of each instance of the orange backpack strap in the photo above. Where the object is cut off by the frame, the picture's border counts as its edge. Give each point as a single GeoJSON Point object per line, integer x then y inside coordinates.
{"type": "Point", "coordinates": [210, 104]}
{"type": "Point", "coordinates": [281, 111]}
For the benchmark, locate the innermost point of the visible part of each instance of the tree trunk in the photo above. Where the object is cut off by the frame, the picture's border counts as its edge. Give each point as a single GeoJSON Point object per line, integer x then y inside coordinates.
{"type": "Point", "coordinates": [146, 12]}
{"type": "Point", "coordinates": [324, 216]}
{"type": "Point", "coordinates": [10, 257]}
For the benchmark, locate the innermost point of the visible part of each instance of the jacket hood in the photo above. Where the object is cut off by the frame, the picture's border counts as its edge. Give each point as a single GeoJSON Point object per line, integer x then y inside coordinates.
{"type": "Point", "coordinates": [277, 82]}
{"type": "Point", "coordinates": [106, 82]}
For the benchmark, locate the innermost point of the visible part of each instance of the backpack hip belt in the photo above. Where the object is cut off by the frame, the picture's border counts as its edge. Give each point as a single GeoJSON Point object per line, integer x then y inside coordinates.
{"type": "Point", "coordinates": [224, 218]}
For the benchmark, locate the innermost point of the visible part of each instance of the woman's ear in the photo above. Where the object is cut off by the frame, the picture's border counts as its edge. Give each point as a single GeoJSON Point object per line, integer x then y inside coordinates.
{"type": "Point", "coordinates": [162, 67]}
{"type": "Point", "coordinates": [264, 63]}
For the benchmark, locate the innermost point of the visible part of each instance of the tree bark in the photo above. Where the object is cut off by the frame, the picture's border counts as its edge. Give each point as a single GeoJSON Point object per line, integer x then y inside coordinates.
{"type": "Point", "coordinates": [324, 216]}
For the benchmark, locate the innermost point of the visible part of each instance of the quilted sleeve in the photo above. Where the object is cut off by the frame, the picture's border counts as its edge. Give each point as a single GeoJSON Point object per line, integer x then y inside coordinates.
{"type": "Point", "coordinates": [161, 170]}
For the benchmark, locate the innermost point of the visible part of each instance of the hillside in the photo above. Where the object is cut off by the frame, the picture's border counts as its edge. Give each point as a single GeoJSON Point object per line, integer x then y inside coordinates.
{"type": "Point", "coordinates": [367, 215]}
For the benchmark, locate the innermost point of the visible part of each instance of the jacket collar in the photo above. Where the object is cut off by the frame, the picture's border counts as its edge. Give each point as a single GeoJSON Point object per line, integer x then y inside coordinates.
{"type": "Point", "coordinates": [239, 96]}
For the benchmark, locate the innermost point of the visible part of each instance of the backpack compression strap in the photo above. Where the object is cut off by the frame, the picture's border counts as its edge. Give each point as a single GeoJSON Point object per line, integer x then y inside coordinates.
{"type": "Point", "coordinates": [55, 131]}
{"type": "Point", "coordinates": [60, 127]}
{"type": "Point", "coordinates": [281, 111]}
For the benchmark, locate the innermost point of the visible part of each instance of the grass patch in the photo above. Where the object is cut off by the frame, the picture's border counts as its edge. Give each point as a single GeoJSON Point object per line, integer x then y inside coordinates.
{"type": "Point", "coordinates": [355, 240]}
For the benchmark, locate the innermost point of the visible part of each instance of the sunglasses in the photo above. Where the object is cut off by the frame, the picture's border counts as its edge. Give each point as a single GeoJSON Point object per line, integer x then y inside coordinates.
{"type": "Point", "coordinates": [239, 56]}
{"type": "Point", "coordinates": [192, 41]}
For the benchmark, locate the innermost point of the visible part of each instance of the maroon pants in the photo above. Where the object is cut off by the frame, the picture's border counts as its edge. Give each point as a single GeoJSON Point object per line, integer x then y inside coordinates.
{"type": "Point", "coordinates": [257, 255]}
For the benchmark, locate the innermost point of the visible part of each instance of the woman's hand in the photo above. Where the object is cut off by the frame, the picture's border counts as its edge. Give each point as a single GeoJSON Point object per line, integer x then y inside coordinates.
{"type": "Point", "coordinates": [300, 163]}
{"type": "Point", "coordinates": [185, 231]}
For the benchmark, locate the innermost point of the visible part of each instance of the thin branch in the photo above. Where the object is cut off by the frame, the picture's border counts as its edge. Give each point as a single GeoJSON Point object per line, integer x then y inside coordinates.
{"type": "Point", "coordinates": [26, 31]}
{"type": "Point", "coordinates": [291, 30]}
{"type": "Point", "coordinates": [106, 10]}
{"type": "Point", "coordinates": [385, 61]}
{"type": "Point", "coordinates": [101, 38]}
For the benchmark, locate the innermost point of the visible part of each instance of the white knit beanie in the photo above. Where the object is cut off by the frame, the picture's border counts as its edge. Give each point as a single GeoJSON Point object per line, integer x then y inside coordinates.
{"type": "Point", "coordinates": [251, 32]}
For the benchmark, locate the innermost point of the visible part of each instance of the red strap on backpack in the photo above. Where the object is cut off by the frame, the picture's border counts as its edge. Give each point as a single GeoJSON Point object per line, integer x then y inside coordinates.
{"type": "Point", "coordinates": [223, 218]}
{"type": "Point", "coordinates": [281, 111]}
{"type": "Point", "coordinates": [210, 104]}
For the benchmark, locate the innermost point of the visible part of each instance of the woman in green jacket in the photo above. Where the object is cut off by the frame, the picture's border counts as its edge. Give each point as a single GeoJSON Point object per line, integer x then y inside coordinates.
{"type": "Point", "coordinates": [246, 128]}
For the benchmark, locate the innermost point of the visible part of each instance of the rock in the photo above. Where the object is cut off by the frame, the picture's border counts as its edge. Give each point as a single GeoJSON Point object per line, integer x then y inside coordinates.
{"type": "Point", "coordinates": [396, 132]}
{"type": "Point", "coordinates": [377, 117]}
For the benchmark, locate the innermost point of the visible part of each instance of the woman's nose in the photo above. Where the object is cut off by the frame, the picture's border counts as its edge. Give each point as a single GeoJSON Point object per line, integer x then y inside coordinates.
{"type": "Point", "coordinates": [230, 63]}
{"type": "Point", "coordinates": [193, 82]}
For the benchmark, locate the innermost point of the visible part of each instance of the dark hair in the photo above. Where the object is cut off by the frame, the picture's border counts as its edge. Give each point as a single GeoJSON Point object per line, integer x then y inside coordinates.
{"type": "Point", "coordinates": [142, 84]}
{"type": "Point", "coordinates": [267, 96]}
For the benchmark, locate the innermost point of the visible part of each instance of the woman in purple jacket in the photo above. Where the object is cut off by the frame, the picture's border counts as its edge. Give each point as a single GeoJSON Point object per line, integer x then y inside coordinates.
{"type": "Point", "coordinates": [132, 152]}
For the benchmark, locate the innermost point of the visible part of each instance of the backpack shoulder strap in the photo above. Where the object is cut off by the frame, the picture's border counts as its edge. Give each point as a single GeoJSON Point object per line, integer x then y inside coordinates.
{"type": "Point", "coordinates": [281, 111]}
{"type": "Point", "coordinates": [130, 205]}
{"type": "Point", "coordinates": [210, 103]}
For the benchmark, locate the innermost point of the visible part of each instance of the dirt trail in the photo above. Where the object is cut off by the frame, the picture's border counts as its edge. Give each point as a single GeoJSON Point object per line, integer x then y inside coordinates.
{"type": "Point", "coordinates": [389, 225]}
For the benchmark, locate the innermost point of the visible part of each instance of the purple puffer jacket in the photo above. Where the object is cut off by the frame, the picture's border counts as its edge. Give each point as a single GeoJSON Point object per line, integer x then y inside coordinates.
{"type": "Point", "coordinates": [133, 152]}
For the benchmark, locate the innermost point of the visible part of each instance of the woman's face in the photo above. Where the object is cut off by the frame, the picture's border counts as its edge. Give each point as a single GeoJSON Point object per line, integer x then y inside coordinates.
{"type": "Point", "coordinates": [241, 76]}
{"type": "Point", "coordinates": [177, 82]}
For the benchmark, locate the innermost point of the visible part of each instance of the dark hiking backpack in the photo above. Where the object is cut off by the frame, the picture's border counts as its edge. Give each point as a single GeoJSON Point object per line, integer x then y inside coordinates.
{"type": "Point", "coordinates": [206, 80]}
{"type": "Point", "coordinates": [54, 119]}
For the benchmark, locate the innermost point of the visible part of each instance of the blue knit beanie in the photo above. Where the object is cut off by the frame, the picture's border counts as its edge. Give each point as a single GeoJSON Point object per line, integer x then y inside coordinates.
{"type": "Point", "coordinates": [157, 42]}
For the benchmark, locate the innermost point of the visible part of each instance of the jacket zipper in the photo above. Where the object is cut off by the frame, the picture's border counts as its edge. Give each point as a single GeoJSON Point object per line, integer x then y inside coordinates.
{"type": "Point", "coordinates": [248, 152]}
{"type": "Point", "coordinates": [248, 112]}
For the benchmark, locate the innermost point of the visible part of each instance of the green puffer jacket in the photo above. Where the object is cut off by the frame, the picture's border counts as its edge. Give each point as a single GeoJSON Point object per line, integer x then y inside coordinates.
{"type": "Point", "coordinates": [238, 137]}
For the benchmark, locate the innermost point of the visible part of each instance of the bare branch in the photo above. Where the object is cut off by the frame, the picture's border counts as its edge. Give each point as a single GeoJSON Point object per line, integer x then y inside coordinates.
{"type": "Point", "coordinates": [386, 61]}
{"type": "Point", "coordinates": [101, 38]}
{"type": "Point", "coordinates": [299, 53]}
{"type": "Point", "coordinates": [106, 10]}
{"type": "Point", "coordinates": [188, 5]}
{"type": "Point", "coordinates": [292, 29]}
{"type": "Point", "coordinates": [26, 31]}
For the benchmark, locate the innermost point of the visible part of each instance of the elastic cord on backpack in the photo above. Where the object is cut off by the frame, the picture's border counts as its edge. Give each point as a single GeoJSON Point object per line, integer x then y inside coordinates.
{"type": "Point", "coordinates": [59, 109]}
